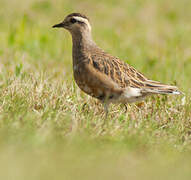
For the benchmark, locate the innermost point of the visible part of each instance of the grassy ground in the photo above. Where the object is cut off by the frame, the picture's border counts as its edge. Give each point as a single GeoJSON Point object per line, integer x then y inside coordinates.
{"type": "Point", "coordinates": [47, 133]}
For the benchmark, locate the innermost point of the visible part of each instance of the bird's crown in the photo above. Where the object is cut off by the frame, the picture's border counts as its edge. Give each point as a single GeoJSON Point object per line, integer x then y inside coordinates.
{"type": "Point", "coordinates": [75, 15]}
{"type": "Point", "coordinates": [73, 21]}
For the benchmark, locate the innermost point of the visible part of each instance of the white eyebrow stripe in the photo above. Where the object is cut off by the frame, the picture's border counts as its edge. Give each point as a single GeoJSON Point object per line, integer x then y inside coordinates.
{"type": "Point", "coordinates": [84, 20]}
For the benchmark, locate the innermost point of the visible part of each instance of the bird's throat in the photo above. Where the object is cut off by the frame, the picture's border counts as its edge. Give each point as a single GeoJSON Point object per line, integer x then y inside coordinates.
{"type": "Point", "coordinates": [82, 42]}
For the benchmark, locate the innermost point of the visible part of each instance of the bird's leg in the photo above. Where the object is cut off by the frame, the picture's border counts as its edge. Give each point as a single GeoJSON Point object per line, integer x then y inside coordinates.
{"type": "Point", "coordinates": [126, 108]}
{"type": "Point", "coordinates": [83, 106]}
{"type": "Point", "coordinates": [106, 106]}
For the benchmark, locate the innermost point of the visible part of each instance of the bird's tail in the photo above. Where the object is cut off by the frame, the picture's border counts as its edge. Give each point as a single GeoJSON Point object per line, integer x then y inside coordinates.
{"type": "Point", "coordinates": [155, 87]}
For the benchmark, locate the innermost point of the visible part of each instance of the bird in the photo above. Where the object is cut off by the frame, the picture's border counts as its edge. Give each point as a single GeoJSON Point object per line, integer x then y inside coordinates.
{"type": "Point", "coordinates": [104, 76]}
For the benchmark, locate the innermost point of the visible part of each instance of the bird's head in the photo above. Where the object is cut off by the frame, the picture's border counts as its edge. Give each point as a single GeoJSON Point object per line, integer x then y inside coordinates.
{"type": "Point", "coordinates": [75, 22]}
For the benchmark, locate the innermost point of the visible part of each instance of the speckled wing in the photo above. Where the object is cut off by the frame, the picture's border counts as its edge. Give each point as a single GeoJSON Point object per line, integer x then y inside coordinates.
{"type": "Point", "coordinates": [127, 76]}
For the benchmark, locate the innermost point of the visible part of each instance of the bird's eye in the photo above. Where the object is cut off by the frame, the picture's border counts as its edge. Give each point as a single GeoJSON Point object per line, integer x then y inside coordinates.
{"type": "Point", "coordinates": [73, 20]}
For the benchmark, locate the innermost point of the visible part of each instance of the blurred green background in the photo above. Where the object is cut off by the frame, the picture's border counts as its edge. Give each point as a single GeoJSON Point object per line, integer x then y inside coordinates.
{"type": "Point", "coordinates": [46, 132]}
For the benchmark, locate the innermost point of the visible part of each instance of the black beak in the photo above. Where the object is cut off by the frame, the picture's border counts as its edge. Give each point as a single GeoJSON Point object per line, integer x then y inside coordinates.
{"type": "Point", "coordinates": [58, 25]}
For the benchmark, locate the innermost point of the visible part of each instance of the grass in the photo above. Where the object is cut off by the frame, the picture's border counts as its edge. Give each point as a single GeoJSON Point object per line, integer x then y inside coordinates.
{"type": "Point", "coordinates": [46, 132]}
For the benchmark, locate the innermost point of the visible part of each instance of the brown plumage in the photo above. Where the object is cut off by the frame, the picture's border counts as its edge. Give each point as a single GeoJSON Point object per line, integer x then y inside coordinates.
{"type": "Point", "coordinates": [103, 76]}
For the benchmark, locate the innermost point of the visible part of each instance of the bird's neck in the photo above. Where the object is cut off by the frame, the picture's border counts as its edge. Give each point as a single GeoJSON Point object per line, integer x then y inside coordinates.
{"type": "Point", "coordinates": [82, 43]}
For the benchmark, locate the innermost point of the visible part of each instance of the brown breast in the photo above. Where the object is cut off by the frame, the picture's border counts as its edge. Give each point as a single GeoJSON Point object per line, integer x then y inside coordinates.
{"type": "Point", "coordinates": [95, 83]}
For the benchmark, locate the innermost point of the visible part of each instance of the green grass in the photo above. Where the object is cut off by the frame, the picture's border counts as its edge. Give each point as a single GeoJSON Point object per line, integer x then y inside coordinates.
{"type": "Point", "coordinates": [46, 132]}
